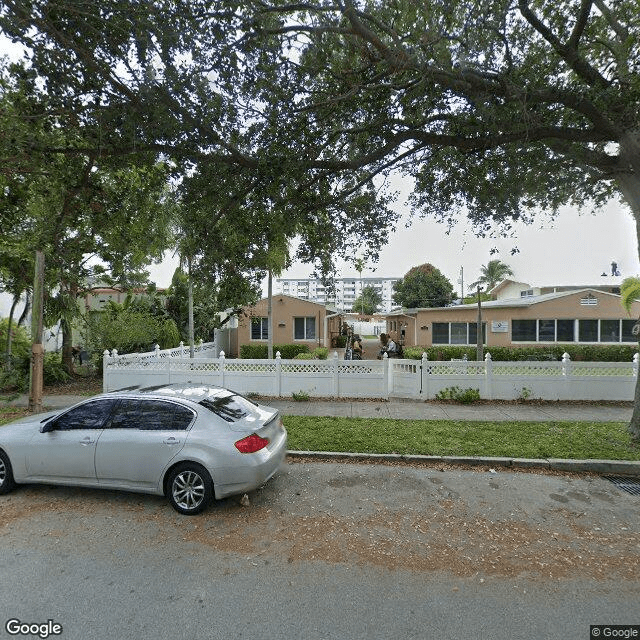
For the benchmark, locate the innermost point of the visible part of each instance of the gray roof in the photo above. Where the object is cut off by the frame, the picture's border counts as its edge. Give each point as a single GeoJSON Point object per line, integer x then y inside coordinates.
{"type": "Point", "coordinates": [526, 301]}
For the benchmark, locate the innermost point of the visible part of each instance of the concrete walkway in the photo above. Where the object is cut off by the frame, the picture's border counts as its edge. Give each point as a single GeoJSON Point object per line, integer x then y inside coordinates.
{"type": "Point", "coordinates": [416, 410]}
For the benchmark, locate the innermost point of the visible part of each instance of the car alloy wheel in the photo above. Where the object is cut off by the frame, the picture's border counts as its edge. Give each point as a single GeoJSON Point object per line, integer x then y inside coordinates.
{"type": "Point", "coordinates": [6, 474]}
{"type": "Point", "coordinates": [190, 489]}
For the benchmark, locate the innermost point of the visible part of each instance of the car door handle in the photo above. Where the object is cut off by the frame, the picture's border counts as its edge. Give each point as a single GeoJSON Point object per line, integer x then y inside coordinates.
{"type": "Point", "coordinates": [171, 440]}
{"type": "Point", "coordinates": [85, 441]}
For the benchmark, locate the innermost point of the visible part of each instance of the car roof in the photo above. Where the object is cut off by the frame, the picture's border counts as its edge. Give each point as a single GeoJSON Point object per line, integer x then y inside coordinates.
{"type": "Point", "coordinates": [189, 391]}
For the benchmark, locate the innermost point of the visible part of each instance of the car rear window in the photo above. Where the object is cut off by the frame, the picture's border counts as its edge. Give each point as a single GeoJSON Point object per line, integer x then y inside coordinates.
{"type": "Point", "coordinates": [230, 408]}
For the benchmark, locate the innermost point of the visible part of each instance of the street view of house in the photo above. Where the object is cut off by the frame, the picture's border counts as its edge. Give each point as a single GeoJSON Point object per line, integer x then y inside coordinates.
{"type": "Point", "coordinates": [359, 452]}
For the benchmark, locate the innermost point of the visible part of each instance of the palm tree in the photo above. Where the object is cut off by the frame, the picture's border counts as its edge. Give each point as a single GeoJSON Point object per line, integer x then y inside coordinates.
{"type": "Point", "coordinates": [491, 274]}
{"type": "Point", "coordinates": [630, 292]}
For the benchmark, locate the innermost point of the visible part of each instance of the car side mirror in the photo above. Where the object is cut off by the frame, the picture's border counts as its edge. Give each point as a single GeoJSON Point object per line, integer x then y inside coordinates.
{"type": "Point", "coordinates": [47, 426]}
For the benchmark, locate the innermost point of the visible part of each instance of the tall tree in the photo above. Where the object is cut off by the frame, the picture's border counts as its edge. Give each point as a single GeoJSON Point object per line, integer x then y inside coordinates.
{"type": "Point", "coordinates": [368, 302]}
{"type": "Point", "coordinates": [491, 274]}
{"type": "Point", "coordinates": [423, 286]}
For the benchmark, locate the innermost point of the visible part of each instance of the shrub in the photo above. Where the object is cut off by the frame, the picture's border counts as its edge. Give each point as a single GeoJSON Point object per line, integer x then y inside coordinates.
{"type": "Point", "coordinates": [584, 352]}
{"type": "Point", "coordinates": [321, 353]}
{"type": "Point", "coordinates": [300, 396]}
{"type": "Point", "coordinates": [464, 396]}
{"type": "Point", "coordinates": [53, 371]}
{"type": "Point", "coordinates": [259, 351]}
{"type": "Point", "coordinates": [304, 356]}
{"type": "Point", "coordinates": [339, 342]}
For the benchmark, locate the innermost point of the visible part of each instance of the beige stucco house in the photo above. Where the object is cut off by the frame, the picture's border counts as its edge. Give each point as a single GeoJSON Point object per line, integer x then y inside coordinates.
{"type": "Point", "coordinates": [588, 315]}
{"type": "Point", "coordinates": [294, 321]}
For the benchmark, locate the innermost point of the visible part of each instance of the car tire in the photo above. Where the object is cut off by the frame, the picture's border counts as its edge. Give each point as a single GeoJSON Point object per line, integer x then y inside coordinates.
{"type": "Point", "coordinates": [189, 488]}
{"type": "Point", "coordinates": [7, 482]}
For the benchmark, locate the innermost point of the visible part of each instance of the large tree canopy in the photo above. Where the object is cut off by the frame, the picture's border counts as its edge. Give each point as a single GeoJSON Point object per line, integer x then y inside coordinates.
{"type": "Point", "coordinates": [496, 108]}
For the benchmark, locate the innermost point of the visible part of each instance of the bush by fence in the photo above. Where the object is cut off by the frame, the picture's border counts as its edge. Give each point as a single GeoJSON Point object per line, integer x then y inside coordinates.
{"type": "Point", "coordinates": [259, 351]}
{"type": "Point", "coordinates": [577, 352]}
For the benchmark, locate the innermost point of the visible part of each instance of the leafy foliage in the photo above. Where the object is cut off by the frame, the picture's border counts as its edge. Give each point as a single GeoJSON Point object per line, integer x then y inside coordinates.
{"type": "Point", "coordinates": [368, 302]}
{"type": "Point", "coordinates": [491, 274]}
{"type": "Point", "coordinates": [423, 286]}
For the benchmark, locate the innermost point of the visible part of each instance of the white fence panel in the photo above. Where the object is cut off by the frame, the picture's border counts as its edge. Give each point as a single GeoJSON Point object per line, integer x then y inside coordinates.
{"type": "Point", "coordinates": [420, 379]}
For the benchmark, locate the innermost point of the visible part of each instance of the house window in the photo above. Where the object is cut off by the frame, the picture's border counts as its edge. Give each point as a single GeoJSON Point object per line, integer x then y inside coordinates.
{"type": "Point", "coordinates": [304, 328]}
{"type": "Point", "coordinates": [588, 330]}
{"type": "Point", "coordinates": [566, 330]}
{"type": "Point", "coordinates": [627, 327]}
{"type": "Point", "coordinates": [546, 330]}
{"type": "Point", "coordinates": [527, 293]}
{"type": "Point", "coordinates": [259, 328]}
{"type": "Point", "coordinates": [457, 332]}
{"type": "Point", "coordinates": [440, 333]}
{"type": "Point", "coordinates": [523, 330]}
{"type": "Point", "coordinates": [609, 330]}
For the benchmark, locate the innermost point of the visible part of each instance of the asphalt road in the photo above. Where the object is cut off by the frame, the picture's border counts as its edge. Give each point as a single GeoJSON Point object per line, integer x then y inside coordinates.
{"type": "Point", "coordinates": [329, 550]}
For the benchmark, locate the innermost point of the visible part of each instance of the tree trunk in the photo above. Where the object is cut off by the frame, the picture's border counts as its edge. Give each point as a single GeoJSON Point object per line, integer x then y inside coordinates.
{"type": "Point", "coordinates": [9, 336]}
{"type": "Point", "coordinates": [25, 312]}
{"type": "Point", "coordinates": [630, 186]}
{"type": "Point", "coordinates": [67, 346]}
{"type": "Point", "coordinates": [270, 316]}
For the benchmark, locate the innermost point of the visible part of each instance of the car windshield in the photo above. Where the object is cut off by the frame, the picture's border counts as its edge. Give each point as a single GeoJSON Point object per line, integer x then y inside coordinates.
{"type": "Point", "coordinates": [231, 408]}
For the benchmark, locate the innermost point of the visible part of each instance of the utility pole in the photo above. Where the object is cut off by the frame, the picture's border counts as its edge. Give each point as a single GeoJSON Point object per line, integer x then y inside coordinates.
{"type": "Point", "coordinates": [37, 349]}
{"type": "Point", "coordinates": [461, 281]}
{"type": "Point", "coordinates": [191, 331]}
{"type": "Point", "coordinates": [479, 343]}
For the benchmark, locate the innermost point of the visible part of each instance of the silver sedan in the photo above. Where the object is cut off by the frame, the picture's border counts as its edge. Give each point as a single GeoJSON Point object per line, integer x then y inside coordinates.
{"type": "Point", "coordinates": [191, 443]}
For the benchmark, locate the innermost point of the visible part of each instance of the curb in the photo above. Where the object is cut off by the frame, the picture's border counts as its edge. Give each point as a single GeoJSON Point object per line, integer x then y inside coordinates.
{"type": "Point", "coordinates": [602, 467]}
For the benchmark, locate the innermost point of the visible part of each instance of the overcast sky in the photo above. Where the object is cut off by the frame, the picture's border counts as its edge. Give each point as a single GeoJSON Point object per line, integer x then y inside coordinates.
{"type": "Point", "coordinates": [572, 249]}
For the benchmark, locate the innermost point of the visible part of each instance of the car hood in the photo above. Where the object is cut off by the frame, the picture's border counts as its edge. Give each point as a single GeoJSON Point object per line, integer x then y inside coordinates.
{"type": "Point", "coordinates": [35, 420]}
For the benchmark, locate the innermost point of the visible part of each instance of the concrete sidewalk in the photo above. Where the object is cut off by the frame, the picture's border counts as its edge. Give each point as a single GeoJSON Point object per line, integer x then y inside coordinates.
{"type": "Point", "coordinates": [415, 410]}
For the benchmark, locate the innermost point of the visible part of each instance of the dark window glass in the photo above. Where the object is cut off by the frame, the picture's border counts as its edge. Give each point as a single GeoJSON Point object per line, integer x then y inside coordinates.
{"type": "Point", "coordinates": [440, 333]}
{"type": "Point", "coordinates": [151, 415]}
{"type": "Point", "coordinates": [473, 333]}
{"type": "Point", "coordinates": [565, 331]}
{"type": "Point", "coordinates": [609, 330]}
{"type": "Point", "coordinates": [523, 330]}
{"type": "Point", "coordinates": [588, 330]}
{"type": "Point", "coordinates": [231, 408]}
{"type": "Point", "coordinates": [627, 326]}
{"type": "Point", "coordinates": [459, 333]}
{"type": "Point", "coordinates": [304, 328]}
{"type": "Point", "coordinates": [546, 330]}
{"type": "Point", "coordinates": [259, 328]}
{"type": "Point", "coordinates": [91, 415]}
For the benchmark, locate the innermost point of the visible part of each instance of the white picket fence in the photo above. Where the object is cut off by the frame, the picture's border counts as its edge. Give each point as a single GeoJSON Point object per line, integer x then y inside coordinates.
{"type": "Point", "coordinates": [400, 378]}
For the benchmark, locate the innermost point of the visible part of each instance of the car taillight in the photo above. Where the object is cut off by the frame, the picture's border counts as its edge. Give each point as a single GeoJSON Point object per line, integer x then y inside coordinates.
{"type": "Point", "coordinates": [251, 444]}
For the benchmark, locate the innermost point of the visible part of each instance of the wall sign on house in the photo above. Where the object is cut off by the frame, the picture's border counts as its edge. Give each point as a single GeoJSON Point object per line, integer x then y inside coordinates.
{"type": "Point", "coordinates": [499, 326]}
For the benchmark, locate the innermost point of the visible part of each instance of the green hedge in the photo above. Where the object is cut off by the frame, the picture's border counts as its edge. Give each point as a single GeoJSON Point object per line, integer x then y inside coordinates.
{"type": "Point", "coordinates": [578, 352]}
{"type": "Point", "coordinates": [259, 351]}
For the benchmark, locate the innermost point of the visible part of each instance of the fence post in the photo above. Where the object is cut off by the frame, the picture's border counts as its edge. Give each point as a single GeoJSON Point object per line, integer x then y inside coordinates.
{"type": "Point", "coordinates": [105, 376]}
{"type": "Point", "coordinates": [336, 376]}
{"type": "Point", "coordinates": [488, 376]}
{"type": "Point", "coordinates": [221, 369]}
{"type": "Point", "coordinates": [278, 379]}
{"type": "Point", "coordinates": [388, 372]}
{"type": "Point", "coordinates": [424, 376]}
{"type": "Point", "coordinates": [181, 349]}
{"type": "Point", "coordinates": [566, 375]}
{"type": "Point", "coordinates": [636, 362]}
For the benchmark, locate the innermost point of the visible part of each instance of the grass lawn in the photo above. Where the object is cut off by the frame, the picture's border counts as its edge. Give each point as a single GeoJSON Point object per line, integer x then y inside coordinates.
{"type": "Point", "coordinates": [570, 440]}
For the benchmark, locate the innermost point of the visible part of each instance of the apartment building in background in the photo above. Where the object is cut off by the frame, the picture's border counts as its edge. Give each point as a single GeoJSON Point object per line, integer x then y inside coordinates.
{"type": "Point", "coordinates": [346, 291]}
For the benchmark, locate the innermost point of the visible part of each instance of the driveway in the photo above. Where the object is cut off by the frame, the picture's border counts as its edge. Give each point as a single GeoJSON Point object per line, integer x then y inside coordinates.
{"type": "Point", "coordinates": [330, 550]}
